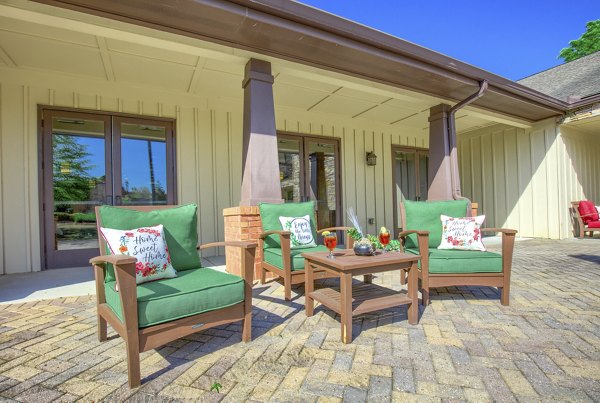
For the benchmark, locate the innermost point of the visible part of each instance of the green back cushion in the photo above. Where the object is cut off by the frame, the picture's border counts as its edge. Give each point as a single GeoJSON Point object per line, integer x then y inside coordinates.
{"type": "Point", "coordinates": [270, 213]}
{"type": "Point", "coordinates": [180, 226]}
{"type": "Point", "coordinates": [190, 293]}
{"type": "Point", "coordinates": [425, 216]}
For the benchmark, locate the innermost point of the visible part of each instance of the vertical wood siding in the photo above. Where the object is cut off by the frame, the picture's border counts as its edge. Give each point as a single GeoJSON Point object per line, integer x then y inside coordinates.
{"type": "Point", "coordinates": [579, 168]}
{"type": "Point", "coordinates": [525, 179]}
{"type": "Point", "coordinates": [201, 134]}
{"type": "Point", "coordinates": [208, 149]}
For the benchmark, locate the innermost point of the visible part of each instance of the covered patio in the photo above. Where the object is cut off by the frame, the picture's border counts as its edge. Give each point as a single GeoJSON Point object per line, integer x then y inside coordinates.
{"type": "Point", "coordinates": [544, 346]}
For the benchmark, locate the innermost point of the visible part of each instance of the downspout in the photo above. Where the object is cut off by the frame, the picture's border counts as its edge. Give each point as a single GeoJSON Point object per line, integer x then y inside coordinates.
{"type": "Point", "coordinates": [456, 191]}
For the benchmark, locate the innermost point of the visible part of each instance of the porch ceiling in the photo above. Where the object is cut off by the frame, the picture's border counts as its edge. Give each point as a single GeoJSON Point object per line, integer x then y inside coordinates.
{"type": "Point", "coordinates": [589, 125]}
{"type": "Point", "coordinates": [36, 37]}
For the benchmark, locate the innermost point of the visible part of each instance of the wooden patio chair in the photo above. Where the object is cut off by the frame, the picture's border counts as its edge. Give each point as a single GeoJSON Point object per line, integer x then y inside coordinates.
{"type": "Point", "coordinates": [277, 255]}
{"type": "Point", "coordinates": [588, 221]}
{"type": "Point", "coordinates": [422, 231]}
{"type": "Point", "coordinates": [151, 314]}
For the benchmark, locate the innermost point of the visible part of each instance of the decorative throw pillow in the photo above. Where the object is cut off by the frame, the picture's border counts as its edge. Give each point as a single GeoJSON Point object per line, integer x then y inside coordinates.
{"type": "Point", "coordinates": [301, 231]}
{"type": "Point", "coordinates": [462, 233]}
{"type": "Point", "coordinates": [148, 246]}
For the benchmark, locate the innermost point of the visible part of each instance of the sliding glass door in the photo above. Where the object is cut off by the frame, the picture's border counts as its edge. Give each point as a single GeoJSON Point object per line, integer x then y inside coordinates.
{"type": "Point", "coordinates": [91, 159]}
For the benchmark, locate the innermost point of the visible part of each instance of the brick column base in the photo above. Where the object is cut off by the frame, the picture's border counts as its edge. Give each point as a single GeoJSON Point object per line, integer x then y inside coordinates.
{"type": "Point", "coordinates": [242, 224]}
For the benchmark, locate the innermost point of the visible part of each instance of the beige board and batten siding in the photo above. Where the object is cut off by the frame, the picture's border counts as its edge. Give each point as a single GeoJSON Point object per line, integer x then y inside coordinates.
{"type": "Point", "coordinates": [208, 153]}
{"type": "Point", "coordinates": [580, 167]}
{"type": "Point", "coordinates": [525, 178]}
{"type": "Point", "coordinates": [208, 148]}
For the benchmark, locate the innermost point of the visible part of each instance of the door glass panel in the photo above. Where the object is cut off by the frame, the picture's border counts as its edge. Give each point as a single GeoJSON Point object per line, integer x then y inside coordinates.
{"type": "Point", "coordinates": [423, 176]}
{"type": "Point", "coordinates": [323, 177]}
{"type": "Point", "coordinates": [143, 164]}
{"type": "Point", "coordinates": [289, 169]}
{"type": "Point", "coordinates": [78, 181]}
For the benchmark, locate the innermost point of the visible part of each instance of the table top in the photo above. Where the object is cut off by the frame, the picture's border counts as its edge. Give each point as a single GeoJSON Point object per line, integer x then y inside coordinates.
{"type": "Point", "coordinates": [346, 259]}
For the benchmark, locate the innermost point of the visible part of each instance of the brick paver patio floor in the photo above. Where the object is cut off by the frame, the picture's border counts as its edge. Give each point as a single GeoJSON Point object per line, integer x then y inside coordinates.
{"type": "Point", "coordinates": [545, 346]}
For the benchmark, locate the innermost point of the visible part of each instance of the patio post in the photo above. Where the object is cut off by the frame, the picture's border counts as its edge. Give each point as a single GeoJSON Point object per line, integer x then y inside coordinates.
{"type": "Point", "coordinates": [440, 179]}
{"type": "Point", "coordinates": [260, 163]}
{"type": "Point", "coordinates": [260, 177]}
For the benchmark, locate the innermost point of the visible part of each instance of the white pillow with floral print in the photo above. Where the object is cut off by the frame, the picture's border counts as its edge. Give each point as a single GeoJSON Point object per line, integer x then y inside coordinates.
{"type": "Point", "coordinates": [462, 233]}
{"type": "Point", "coordinates": [301, 231]}
{"type": "Point", "coordinates": [148, 246]}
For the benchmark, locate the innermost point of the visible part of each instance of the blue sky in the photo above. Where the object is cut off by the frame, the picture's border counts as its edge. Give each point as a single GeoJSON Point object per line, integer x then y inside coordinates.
{"type": "Point", "coordinates": [513, 39]}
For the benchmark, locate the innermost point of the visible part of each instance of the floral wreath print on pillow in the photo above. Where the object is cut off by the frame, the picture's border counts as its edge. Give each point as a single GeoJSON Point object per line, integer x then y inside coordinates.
{"type": "Point", "coordinates": [148, 246]}
{"type": "Point", "coordinates": [462, 233]}
{"type": "Point", "coordinates": [301, 235]}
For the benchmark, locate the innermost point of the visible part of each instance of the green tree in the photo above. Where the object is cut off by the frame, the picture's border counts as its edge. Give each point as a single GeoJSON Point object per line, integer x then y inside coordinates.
{"type": "Point", "coordinates": [70, 165]}
{"type": "Point", "coordinates": [587, 44]}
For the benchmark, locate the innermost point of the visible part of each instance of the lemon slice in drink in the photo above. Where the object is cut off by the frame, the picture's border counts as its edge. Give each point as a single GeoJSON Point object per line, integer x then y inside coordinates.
{"type": "Point", "coordinates": [325, 233]}
{"type": "Point", "coordinates": [383, 230]}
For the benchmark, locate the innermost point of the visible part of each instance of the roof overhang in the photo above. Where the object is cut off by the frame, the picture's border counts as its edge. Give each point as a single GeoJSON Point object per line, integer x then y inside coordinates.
{"type": "Point", "coordinates": [299, 33]}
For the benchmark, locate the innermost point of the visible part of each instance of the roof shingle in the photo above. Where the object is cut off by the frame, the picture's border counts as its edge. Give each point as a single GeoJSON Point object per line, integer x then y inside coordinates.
{"type": "Point", "coordinates": [579, 78]}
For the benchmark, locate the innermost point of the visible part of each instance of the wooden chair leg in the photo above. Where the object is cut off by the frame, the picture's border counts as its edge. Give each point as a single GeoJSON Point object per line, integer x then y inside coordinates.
{"type": "Point", "coordinates": [133, 363]}
{"type": "Point", "coordinates": [425, 296]}
{"type": "Point", "coordinates": [287, 285]}
{"type": "Point", "coordinates": [402, 276]}
{"type": "Point", "coordinates": [102, 329]}
{"type": "Point", "coordinates": [247, 322]}
{"type": "Point", "coordinates": [505, 295]}
{"type": "Point", "coordinates": [263, 275]}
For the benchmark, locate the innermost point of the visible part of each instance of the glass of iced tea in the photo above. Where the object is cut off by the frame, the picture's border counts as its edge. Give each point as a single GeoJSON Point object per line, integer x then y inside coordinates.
{"type": "Point", "coordinates": [330, 239]}
{"type": "Point", "coordinates": [384, 238]}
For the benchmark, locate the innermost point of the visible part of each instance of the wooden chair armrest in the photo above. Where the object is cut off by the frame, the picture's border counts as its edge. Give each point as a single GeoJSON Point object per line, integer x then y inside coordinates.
{"type": "Point", "coordinates": [502, 230]}
{"type": "Point", "coordinates": [239, 244]}
{"type": "Point", "coordinates": [125, 275]}
{"type": "Point", "coordinates": [422, 239]}
{"type": "Point", "coordinates": [403, 234]}
{"type": "Point", "coordinates": [115, 260]}
{"type": "Point", "coordinates": [284, 234]}
{"type": "Point", "coordinates": [248, 253]}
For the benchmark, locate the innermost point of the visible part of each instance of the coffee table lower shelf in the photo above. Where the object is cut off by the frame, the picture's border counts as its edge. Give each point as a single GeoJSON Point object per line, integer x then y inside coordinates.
{"type": "Point", "coordinates": [365, 298]}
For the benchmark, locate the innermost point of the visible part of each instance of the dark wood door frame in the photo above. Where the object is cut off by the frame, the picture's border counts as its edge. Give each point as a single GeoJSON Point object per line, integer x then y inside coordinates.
{"type": "Point", "coordinates": [417, 151]}
{"type": "Point", "coordinates": [304, 139]}
{"type": "Point", "coordinates": [45, 166]}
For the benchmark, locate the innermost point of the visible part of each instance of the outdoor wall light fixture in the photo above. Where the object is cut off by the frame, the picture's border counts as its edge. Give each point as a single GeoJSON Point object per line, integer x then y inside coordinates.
{"type": "Point", "coordinates": [371, 158]}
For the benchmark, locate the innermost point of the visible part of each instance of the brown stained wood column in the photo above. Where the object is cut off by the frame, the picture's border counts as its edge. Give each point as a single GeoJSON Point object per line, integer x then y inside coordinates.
{"type": "Point", "coordinates": [260, 177]}
{"type": "Point", "coordinates": [440, 180]}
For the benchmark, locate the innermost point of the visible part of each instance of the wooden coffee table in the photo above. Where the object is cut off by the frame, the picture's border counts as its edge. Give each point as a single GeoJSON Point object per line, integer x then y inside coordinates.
{"type": "Point", "coordinates": [368, 297]}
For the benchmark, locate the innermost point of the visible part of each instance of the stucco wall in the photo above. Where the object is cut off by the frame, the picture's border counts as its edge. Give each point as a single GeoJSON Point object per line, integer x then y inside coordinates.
{"type": "Point", "coordinates": [526, 178]}
{"type": "Point", "coordinates": [209, 153]}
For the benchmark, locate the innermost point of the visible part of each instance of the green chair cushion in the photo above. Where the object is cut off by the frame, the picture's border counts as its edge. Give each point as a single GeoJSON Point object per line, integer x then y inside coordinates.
{"type": "Point", "coordinates": [270, 213]}
{"type": "Point", "coordinates": [180, 225]}
{"type": "Point", "coordinates": [273, 256]}
{"type": "Point", "coordinates": [425, 216]}
{"type": "Point", "coordinates": [190, 293]}
{"type": "Point", "coordinates": [446, 261]}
